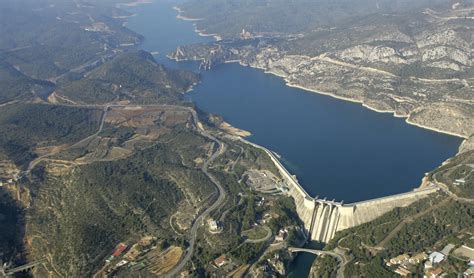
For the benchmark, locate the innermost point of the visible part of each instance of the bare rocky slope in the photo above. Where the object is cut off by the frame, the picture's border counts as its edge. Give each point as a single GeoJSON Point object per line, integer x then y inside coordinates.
{"type": "Point", "coordinates": [414, 64]}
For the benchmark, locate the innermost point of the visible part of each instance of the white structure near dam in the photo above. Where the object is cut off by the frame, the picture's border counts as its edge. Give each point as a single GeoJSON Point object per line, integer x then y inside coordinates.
{"type": "Point", "coordinates": [323, 218]}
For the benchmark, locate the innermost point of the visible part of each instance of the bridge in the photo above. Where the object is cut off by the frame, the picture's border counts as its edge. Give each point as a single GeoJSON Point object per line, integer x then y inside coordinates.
{"type": "Point", "coordinates": [342, 260]}
{"type": "Point", "coordinates": [4, 272]}
{"type": "Point", "coordinates": [315, 252]}
{"type": "Point", "coordinates": [323, 218]}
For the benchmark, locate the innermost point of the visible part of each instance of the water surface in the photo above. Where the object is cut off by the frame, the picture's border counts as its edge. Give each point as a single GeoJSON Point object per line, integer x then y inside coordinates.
{"type": "Point", "coordinates": [338, 150]}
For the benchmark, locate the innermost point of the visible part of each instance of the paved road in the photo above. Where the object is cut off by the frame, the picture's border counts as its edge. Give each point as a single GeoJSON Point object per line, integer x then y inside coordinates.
{"type": "Point", "coordinates": [35, 162]}
{"type": "Point", "coordinates": [338, 254]}
{"type": "Point", "coordinates": [446, 190]}
{"type": "Point", "coordinates": [11, 271]}
{"type": "Point", "coordinates": [221, 197]}
{"type": "Point", "coordinates": [408, 220]}
{"type": "Point", "coordinates": [106, 109]}
{"type": "Point", "coordinates": [221, 148]}
{"type": "Point", "coordinates": [267, 236]}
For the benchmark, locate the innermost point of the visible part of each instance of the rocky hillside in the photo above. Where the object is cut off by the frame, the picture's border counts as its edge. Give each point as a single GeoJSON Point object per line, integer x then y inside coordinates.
{"type": "Point", "coordinates": [416, 64]}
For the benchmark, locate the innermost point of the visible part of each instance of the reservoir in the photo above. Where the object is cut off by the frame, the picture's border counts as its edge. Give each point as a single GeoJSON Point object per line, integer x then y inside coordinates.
{"type": "Point", "coordinates": [337, 149]}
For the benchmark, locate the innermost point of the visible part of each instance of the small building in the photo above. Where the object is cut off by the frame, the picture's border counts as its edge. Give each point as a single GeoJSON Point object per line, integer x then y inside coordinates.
{"type": "Point", "coordinates": [110, 259]}
{"type": "Point", "coordinates": [469, 273]}
{"type": "Point", "coordinates": [402, 271]}
{"type": "Point", "coordinates": [434, 273]}
{"type": "Point", "coordinates": [418, 258]}
{"type": "Point", "coordinates": [119, 250]}
{"type": "Point", "coordinates": [281, 236]}
{"type": "Point", "coordinates": [221, 261]}
{"type": "Point", "coordinates": [428, 265]}
{"type": "Point", "coordinates": [400, 259]}
{"type": "Point", "coordinates": [447, 249]}
{"type": "Point", "coordinates": [146, 241]}
{"type": "Point", "coordinates": [436, 257]}
{"type": "Point", "coordinates": [260, 202]}
{"type": "Point", "coordinates": [245, 35]}
{"type": "Point", "coordinates": [121, 263]}
{"type": "Point", "coordinates": [214, 226]}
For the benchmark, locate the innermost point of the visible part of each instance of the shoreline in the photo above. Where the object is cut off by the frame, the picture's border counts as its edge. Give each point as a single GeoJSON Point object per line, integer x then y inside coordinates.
{"type": "Point", "coordinates": [362, 103]}
{"type": "Point", "coordinates": [181, 17]}
{"type": "Point", "coordinates": [134, 3]}
{"type": "Point", "coordinates": [394, 113]}
{"type": "Point", "coordinates": [288, 83]}
{"type": "Point", "coordinates": [201, 33]}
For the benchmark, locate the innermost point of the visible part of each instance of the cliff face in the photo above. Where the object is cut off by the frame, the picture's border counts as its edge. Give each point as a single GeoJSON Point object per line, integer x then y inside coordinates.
{"type": "Point", "coordinates": [418, 66]}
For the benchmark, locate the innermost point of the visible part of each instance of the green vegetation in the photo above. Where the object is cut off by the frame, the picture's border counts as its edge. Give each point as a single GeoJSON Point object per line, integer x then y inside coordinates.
{"type": "Point", "coordinates": [255, 233]}
{"type": "Point", "coordinates": [246, 252]}
{"type": "Point", "coordinates": [47, 38]}
{"type": "Point", "coordinates": [250, 214]}
{"type": "Point", "coordinates": [457, 168]}
{"type": "Point", "coordinates": [324, 267]}
{"type": "Point", "coordinates": [26, 126]}
{"type": "Point", "coordinates": [376, 230]}
{"type": "Point", "coordinates": [133, 76]}
{"type": "Point", "coordinates": [286, 210]}
{"type": "Point", "coordinates": [15, 85]}
{"type": "Point", "coordinates": [128, 193]}
{"type": "Point", "coordinates": [425, 232]}
{"type": "Point", "coordinates": [280, 16]}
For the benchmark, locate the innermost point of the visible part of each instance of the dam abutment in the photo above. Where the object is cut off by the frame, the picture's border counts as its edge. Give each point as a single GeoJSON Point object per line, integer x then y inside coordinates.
{"type": "Point", "coordinates": [323, 218]}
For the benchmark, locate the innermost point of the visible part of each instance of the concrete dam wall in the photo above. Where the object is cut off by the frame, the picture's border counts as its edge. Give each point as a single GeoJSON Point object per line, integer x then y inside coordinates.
{"type": "Point", "coordinates": [323, 218]}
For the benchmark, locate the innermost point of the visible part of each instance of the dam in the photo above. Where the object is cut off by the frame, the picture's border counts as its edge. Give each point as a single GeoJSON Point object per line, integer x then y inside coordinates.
{"type": "Point", "coordinates": [322, 218]}
{"type": "Point", "coordinates": [318, 136]}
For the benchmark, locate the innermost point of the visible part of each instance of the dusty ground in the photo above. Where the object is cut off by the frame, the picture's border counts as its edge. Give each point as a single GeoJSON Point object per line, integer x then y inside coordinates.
{"type": "Point", "coordinates": [233, 130]}
{"type": "Point", "coordinates": [161, 263]}
{"type": "Point", "coordinates": [239, 272]}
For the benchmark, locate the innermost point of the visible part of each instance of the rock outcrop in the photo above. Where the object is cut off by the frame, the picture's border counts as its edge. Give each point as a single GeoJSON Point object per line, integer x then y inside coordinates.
{"type": "Point", "coordinates": [421, 69]}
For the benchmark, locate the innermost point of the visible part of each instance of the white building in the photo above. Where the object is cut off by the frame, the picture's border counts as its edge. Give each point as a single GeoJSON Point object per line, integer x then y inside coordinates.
{"type": "Point", "coordinates": [436, 257]}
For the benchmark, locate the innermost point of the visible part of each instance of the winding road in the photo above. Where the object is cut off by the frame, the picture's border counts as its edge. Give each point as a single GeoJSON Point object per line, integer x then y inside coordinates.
{"type": "Point", "coordinates": [265, 238]}
{"type": "Point", "coordinates": [221, 197]}
{"type": "Point", "coordinates": [220, 150]}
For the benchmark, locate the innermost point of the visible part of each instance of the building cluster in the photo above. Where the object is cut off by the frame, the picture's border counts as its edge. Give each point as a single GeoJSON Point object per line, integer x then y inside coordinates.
{"type": "Point", "coordinates": [10, 181]}
{"type": "Point", "coordinates": [130, 256]}
{"type": "Point", "coordinates": [458, 182]}
{"type": "Point", "coordinates": [245, 35]}
{"type": "Point", "coordinates": [118, 251]}
{"type": "Point", "coordinates": [404, 264]}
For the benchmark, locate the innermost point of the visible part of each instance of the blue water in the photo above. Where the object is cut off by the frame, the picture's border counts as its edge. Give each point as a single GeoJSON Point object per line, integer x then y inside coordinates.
{"type": "Point", "coordinates": [337, 149]}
